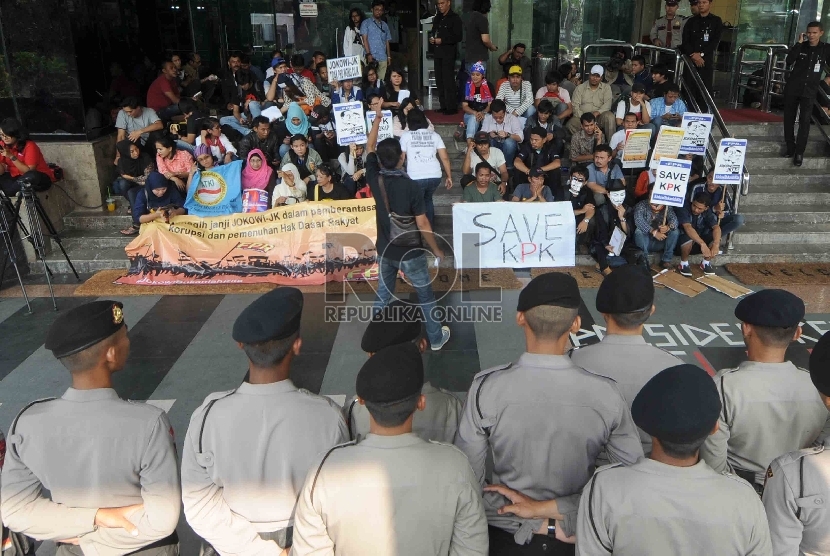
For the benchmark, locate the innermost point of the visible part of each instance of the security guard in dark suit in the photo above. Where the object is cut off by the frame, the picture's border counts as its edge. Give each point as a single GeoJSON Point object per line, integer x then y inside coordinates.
{"type": "Point", "coordinates": [701, 35]}
{"type": "Point", "coordinates": [806, 59]}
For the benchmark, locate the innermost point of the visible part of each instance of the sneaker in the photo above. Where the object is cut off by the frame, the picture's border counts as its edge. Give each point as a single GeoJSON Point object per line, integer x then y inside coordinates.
{"type": "Point", "coordinates": [445, 337]}
{"type": "Point", "coordinates": [707, 269]}
{"type": "Point", "coordinates": [685, 270]}
{"type": "Point", "coordinates": [666, 265]}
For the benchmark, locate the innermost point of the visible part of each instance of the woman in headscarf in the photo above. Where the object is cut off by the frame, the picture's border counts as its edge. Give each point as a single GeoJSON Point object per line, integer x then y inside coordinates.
{"type": "Point", "coordinates": [257, 174]}
{"type": "Point", "coordinates": [477, 98]}
{"type": "Point", "coordinates": [303, 157]}
{"type": "Point", "coordinates": [159, 199]}
{"type": "Point", "coordinates": [295, 123]}
{"type": "Point", "coordinates": [291, 189]}
{"type": "Point", "coordinates": [133, 168]}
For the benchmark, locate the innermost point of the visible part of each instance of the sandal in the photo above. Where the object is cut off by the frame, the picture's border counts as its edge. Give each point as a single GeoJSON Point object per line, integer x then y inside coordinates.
{"type": "Point", "coordinates": [131, 231]}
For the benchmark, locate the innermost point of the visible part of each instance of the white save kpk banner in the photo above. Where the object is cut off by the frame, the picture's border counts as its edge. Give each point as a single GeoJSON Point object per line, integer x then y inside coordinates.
{"type": "Point", "coordinates": [511, 235]}
{"type": "Point", "coordinates": [671, 182]}
{"type": "Point", "coordinates": [730, 161]}
{"type": "Point", "coordinates": [385, 130]}
{"type": "Point", "coordinates": [344, 68]}
{"type": "Point", "coordinates": [697, 128]}
{"type": "Point", "coordinates": [349, 123]}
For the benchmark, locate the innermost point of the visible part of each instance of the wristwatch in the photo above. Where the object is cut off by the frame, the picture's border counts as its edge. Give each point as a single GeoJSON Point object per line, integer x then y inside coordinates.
{"type": "Point", "coordinates": [551, 528]}
{"type": "Point", "coordinates": [587, 220]}
{"type": "Point", "coordinates": [13, 158]}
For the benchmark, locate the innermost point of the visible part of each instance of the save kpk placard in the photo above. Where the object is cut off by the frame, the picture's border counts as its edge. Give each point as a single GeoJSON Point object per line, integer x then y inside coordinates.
{"type": "Point", "coordinates": [671, 182]}
{"type": "Point", "coordinates": [730, 161]}
{"type": "Point", "coordinates": [349, 123]}
{"type": "Point", "coordinates": [385, 130]}
{"type": "Point", "coordinates": [507, 235]}
{"type": "Point", "coordinates": [697, 128]}
{"type": "Point", "coordinates": [344, 68]}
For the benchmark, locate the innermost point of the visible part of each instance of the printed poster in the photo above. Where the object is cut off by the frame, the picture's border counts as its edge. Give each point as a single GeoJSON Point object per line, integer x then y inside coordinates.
{"type": "Point", "coordinates": [216, 191]}
{"type": "Point", "coordinates": [385, 129]}
{"type": "Point", "coordinates": [349, 123]}
{"type": "Point", "coordinates": [730, 161]}
{"type": "Point", "coordinates": [667, 145]}
{"type": "Point", "coordinates": [697, 128]}
{"type": "Point", "coordinates": [637, 146]}
{"type": "Point", "coordinates": [341, 69]}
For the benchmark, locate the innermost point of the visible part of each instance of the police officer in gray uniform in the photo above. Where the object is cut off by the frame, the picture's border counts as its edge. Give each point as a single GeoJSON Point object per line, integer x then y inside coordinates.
{"type": "Point", "coordinates": [672, 502]}
{"type": "Point", "coordinates": [626, 301]}
{"type": "Point", "coordinates": [247, 451]}
{"type": "Point", "coordinates": [398, 323]}
{"type": "Point", "coordinates": [546, 420]}
{"type": "Point", "coordinates": [667, 30]}
{"type": "Point", "coordinates": [393, 492]}
{"type": "Point", "coordinates": [770, 407]}
{"type": "Point", "coordinates": [109, 465]}
{"type": "Point", "coordinates": [797, 490]}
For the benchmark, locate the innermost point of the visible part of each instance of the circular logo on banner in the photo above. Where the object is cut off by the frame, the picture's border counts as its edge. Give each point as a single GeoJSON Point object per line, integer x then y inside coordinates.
{"type": "Point", "coordinates": [211, 189]}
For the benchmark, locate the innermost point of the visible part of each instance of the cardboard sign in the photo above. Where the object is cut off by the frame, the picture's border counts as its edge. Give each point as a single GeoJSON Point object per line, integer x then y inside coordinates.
{"type": "Point", "coordinates": [721, 284]}
{"type": "Point", "coordinates": [667, 144]}
{"type": "Point", "coordinates": [508, 235]}
{"type": "Point", "coordinates": [697, 128]}
{"type": "Point", "coordinates": [308, 9]}
{"type": "Point", "coordinates": [730, 161]}
{"type": "Point", "coordinates": [385, 130]}
{"type": "Point", "coordinates": [671, 182]}
{"type": "Point", "coordinates": [637, 145]}
{"type": "Point", "coordinates": [344, 68]}
{"type": "Point", "coordinates": [678, 283]}
{"type": "Point", "coordinates": [349, 123]}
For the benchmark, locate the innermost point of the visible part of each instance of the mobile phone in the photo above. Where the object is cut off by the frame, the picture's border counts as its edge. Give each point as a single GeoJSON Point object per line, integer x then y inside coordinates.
{"type": "Point", "coordinates": [197, 95]}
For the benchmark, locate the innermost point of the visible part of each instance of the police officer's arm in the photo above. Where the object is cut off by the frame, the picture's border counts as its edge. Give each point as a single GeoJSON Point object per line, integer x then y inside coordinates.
{"type": "Point", "coordinates": [781, 508]}
{"type": "Point", "coordinates": [205, 507]}
{"type": "Point", "coordinates": [471, 437]}
{"type": "Point", "coordinates": [686, 46]}
{"type": "Point", "coordinates": [624, 444]}
{"type": "Point", "coordinates": [26, 510]}
{"type": "Point", "coordinates": [714, 450]}
{"type": "Point", "coordinates": [653, 35]}
{"type": "Point", "coordinates": [469, 532]}
{"type": "Point", "coordinates": [310, 533]}
{"type": "Point", "coordinates": [592, 537]}
{"type": "Point", "coordinates": [161, 494]}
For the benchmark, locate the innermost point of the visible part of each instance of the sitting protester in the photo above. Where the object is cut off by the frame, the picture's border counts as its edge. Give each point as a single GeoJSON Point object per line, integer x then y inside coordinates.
{"type": "Point", "coordinates": [612, 215]}
{"type": "Point", "coordinates": [212, 136]}
{"type": "Point", "coordinates": [189, 131]}
{"type": "Point", "coordinates": [617, 143]}
{"type": "Point", "coordinates": [585, 140]}
{"type": "Point", "coordinates": [345, 91]}
{"type": "Point", "coordinates": [352, 165]}
{"type": "Point", "coordinates": [602, 173]}
{"type": "Point", "coordinates": [645, 182]}
{"type": "Point", "coordinates": [483, 190]}
{"type": "Point", "coordinates": [321, 80]}
{"type": "Point", "coordinates": [159, 199]}
{"type": "Point", "coordinates": [517, 94]}
{"type": "Point", "coordinates": [537, 154]}
{"type": "Point", "coordinates": [668, 109]}
{"type": "Point", "coordinates": [304, 158]}
{"type": "Point", "coordinates": [544, 118]}
{"type": "Point", "coordinates": [480, 151]}
{"type": "Point", "coordinates": [729, 221]}
{"type": "Point", "coordinates": [257, 174]}
{"type": "Point", "coordinates": [656, 230]}
{"type": "Point", "coordinates": [392, 92]}
{"type": "Point", "coordinates": [637, 105]}
{"type": "Point", "coordinates": [323, 134]}
{"type": "Point", "coordinates": [536, 190]}
{"type": "Point", "coordinates": [261, 139]}
{"type": "Point", "coordinates": [700, 231]}
{"type": "Point", "coordinates": [296, 123]}
{"type": "Point", "coordinates": [581, 198]}
{"type": "Point", "coordinates": [327, 187]}
{"type": "Point", "coordinates": [559, 99]}
{"type": "Point", "coordinates": [204, 161]}
{"type": "Point", "coordinates": [478, 95]}
{"type": "Point", "coordinates": [371, 84]}
{"type": "Point", "coordinates": [21, 160]}
{"type": "Point", "coordinates": [248, 102]}
{"type": "Point", "coordinates": [291, 188]}
{"type": "Point", "coordinates": [133, 166]}
{"type": "Point", "coordinates": [174, 164]}
{"type": "Point", "coordinates": [505, 131]}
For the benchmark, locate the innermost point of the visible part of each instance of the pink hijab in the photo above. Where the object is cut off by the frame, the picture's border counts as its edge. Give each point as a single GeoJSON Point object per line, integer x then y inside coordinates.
{"type": "Point", "coordinates": [256, 179]}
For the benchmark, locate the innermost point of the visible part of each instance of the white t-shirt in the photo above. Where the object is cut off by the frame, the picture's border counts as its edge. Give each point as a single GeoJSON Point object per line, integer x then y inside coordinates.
{"type": "Point", "coordinates": [616, 140]}
{"type": "Point", "coordinates": [631, 108]}
{"type": "Point", "coordinates": [563, 95]}
{"type": "Point", "coordinates": [495, 158]}
{"type": "Point", "coordinates": [421, 148]}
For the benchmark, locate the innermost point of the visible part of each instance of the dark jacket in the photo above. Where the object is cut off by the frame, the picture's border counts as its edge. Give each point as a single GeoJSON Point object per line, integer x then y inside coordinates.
{"type": "Point", "coordinates": [802, 58]}
{"type": "Point", "coordinates": [450, 29]}
{"type": "Point", "coordinates": [694, 33]}
{"type": "Point", "coordinates": [230, 90]}
{"type": "Point", "coordinates": [270, 147]}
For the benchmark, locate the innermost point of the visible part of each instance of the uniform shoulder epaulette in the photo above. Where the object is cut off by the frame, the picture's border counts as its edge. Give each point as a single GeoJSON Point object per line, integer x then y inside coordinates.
{"type": "Point", "coordinates": [484, 375]}
{"type": "Point", "coordinates": [794, 456]}
{"type": "Point", "coordinates": [737, 479]}
{"type": "Point", "coordinates": [14, 438]}
{"type": "Point", "coordinates": [320, 467]}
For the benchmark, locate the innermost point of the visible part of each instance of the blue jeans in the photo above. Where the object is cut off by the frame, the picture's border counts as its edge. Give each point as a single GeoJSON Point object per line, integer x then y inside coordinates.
{"type": "Point", "coordinates": [471, 124]}
{"type": "Point", "coordinates": [648, 244]}
{"type": "Point", "coordinates": [428, 187]}
{"type": "Point", "coordinates": [730, 223]}
{"type": "Point", "coordinates": [529, 113]}
{"type": "Point", "coordinates": [255, 108]}
{"type": "Point", "coordinates": [284, 150]}
{"type": "Point", "coordinates": [417, 272]}
{"type": "Point", "coordinates": [234, 123]}
{"type": "Point", "coordinates": [128, 189]}
{"type": "Point", "coordinates": [184, 145]}
{"type": "Point", "coordinates": [509, 147]}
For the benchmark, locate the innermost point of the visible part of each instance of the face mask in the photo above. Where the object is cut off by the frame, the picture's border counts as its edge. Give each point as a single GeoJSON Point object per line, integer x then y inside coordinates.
{"type": "Point", "coordinates": [617, 197]}
{"type": "Point", "coordinates": [576, 186]}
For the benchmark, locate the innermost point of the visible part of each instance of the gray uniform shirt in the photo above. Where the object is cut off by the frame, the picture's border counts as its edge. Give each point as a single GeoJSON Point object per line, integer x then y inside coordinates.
{"type": "Point", "coordinates": [661, 26]}
{"type": "Point", "coordinates": [654, 509]}
{"type": "Point", "coordinates": [91, 450]}
{"type": "Point", "coordinates": [769, 409]}
{"type": "Point", "coordinates": [797, 500]}
{"type": "Point", "coordinates": [546, 421]}
{"type": "Point", "coordinates": [438, 421]}
{"type": "Point", "coordinates": [631, 362]}
{"type": "Point", "coordinates": [391, 495]}
{"type": "Point", "coordinates": [258, 445]}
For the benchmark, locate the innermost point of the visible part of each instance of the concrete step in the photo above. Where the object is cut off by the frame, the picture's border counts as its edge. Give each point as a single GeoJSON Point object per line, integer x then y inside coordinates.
{"type": "Point", "coordinates": [774, 253]}
{"type": "Point", "coordinates": [764, 145]}
{"type": "Point", "coordinates": [84, 260]}
{"type": "Point", "coordinates": [805, 214]}
{"type": "Point", "coordinates": [791, 178]}
{"type": "Point", "coordinates": [762, 233]}
{"type": "Point", "coordinates": [95, 239]}
{"type": "Point", "coordinates": [769, 129]}
{"type": "Point", "coordinates": [762, 162]}
{"type": "Point", "coordinates": [97, 219]}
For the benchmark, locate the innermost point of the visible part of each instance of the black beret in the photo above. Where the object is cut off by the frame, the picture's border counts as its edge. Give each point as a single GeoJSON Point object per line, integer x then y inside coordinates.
{"type": "Point", "coordinates": [83, 327]}
{"type": "Point", "coordinates": [391, 375]}
{"type": "Point", "coordinates": [678, 404]}
{"type": "Point", "coordinates": [771, 308]}
{"type": "Point", "coordinates": [627, 289]}
{"type": "Point", "coordinates": [553, 288]}
{"type": "Point", "coordinates": [397, 323]}
{"type": "Point", "coordinates": [274, 316]}
{"type": "Point", "coordinates": [820, 365]}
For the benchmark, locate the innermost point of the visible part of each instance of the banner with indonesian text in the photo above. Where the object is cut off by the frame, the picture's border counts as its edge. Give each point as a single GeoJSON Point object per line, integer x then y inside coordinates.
{"type": "Point", "coordinates": [302, 244]}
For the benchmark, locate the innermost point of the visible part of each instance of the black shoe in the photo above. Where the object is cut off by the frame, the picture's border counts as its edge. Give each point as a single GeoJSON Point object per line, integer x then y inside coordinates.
{"type": "Point", "coordinates": [449, 111]}
{"type": "Point", "coordinates": [789, 154]}
{"type": "Point", "coordinates": [798, 159]}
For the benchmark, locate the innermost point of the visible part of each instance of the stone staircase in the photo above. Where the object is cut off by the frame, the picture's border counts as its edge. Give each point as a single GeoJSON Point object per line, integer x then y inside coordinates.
{"type": "Point", "coordinates": [787, 210]}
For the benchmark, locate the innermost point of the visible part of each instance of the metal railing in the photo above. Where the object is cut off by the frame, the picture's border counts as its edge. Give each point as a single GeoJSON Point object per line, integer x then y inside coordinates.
{"type": "Point", "coordinates": [818, 110]}
{"type": "Point", "coordinates": [649, 51]}
{"type": "Point", "coordinates": [601, 43]}
{"type": "Point", "coordinates": [774, 72]}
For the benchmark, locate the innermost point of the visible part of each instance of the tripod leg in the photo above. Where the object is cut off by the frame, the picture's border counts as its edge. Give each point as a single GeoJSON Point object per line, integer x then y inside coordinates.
{"type": "Point", "coordinates": [36, 237]}
{"type": "Point", "coordinates": [53, 232]}
{"type": "Point", "coordinates": [12, 256]}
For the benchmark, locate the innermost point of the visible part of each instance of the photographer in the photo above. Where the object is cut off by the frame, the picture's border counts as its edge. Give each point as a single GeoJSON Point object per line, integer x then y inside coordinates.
{"type": "Point", "coordinates": [21, 158]}
{"type": "Point", "coordinates": [159, 200]}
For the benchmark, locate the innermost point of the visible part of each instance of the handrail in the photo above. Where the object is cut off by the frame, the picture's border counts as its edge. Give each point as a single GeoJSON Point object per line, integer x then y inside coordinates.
{"type": "Point", "coordinates": [815, 119]}
{"type": "Point", "coordinates": [640, 47]}
{"type": "Point", "coordinates": [772, 52]}
{"type": "Point", "coordinates": [602, 43]}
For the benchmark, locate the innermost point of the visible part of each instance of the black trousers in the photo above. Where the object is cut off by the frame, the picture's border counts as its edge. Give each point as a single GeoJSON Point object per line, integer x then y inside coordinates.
{"type": "Point", "coordinates": [445, 80]}
{"type": "Point", "coordinates": [797, 109]}
{"type": "Point", "coordinates": [503, 544]}
{"type": "Point", "coordinates": [11, 186]}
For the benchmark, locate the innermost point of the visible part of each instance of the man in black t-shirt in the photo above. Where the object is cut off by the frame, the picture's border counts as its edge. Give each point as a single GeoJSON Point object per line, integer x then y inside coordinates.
{"type": "Point", "coordinates": [536, 153]}
{"type": "Point", "coordinates": [402, 196]}
{"type": "Point", "coordinates": [477, 44]}
{"type": "Point", "coordinates": [192, 127]}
